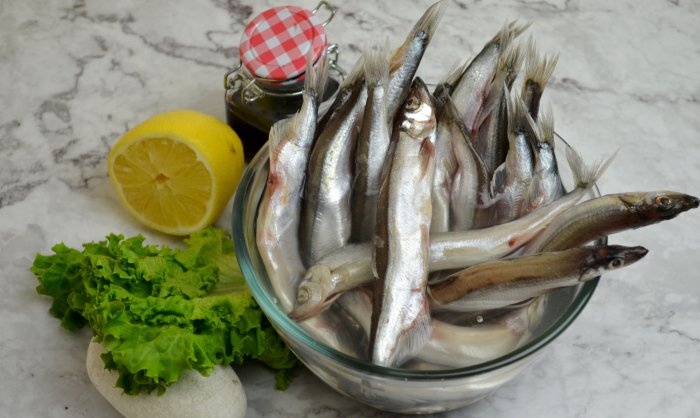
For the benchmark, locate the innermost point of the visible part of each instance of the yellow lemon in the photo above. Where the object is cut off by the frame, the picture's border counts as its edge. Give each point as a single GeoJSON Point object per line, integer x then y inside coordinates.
{"type": "Point", "coordinates": [176, 171]}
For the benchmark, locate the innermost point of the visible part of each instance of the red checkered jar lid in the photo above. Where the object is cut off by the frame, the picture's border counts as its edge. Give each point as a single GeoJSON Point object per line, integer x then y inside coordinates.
{"type": "Point", "coordinates": [276, 43]}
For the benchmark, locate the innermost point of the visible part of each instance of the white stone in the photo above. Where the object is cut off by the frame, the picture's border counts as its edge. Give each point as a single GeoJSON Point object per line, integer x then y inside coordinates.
{"type": "Point", "coordinates": [219, 395]}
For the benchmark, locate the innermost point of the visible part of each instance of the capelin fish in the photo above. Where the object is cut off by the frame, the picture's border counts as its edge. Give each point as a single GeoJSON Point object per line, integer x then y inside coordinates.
{"type": "Point", "coordinates": [512, 179]}
{"type": "Point", "coordinates": [400, 315]}
{"type": "Point", "coordinates": [500, 283]}
{"type": "Point", "coordinates": [445, 165]}
{"type": "Point", "coordinates": [492, 141]}
{"type": "Point", "coordinates": [538, 71]}
{"type": "Point", "coordinates": [341, 270]}
{"type": "Point", "coordinates": [406, 58]}
{"type": "Point", "coordinates": [607, 215]}
{"type": "Point", "coordinates": [469, 185]}
{"type": "Point", "coordinates": [449, 250]}
{"type": "Point", "coordinates": [372, 145]}
{"type": "Point", "coordinates": [325, 217]}
{"type": "Point", "coordinates": [457, 346]}
{"type": "Point", "coordinates": [460, 249]}
{"type": "Point", "coordinates": [451, 345]}
{"type": "Point", "coordinates": [546, 185]}
{"type": "Point", "coordinates": [290, 143]}
{"type": "Point", "coordinates": [472, 89]}
{"type": "Point", "coordinates": [347, 92]}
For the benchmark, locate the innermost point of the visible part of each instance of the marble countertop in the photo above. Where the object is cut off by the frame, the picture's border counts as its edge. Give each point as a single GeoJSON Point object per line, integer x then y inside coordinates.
{"type": "Point", "coordinates": [76, 74]}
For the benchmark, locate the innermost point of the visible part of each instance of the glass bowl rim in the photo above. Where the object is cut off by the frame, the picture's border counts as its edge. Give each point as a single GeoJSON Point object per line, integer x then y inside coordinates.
{"type": "Point", "coordinates": [301, 336]}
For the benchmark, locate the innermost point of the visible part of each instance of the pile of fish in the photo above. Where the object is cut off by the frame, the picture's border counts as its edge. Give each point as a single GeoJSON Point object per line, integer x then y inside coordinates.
{"type": "Point", "coordinates": [404, 208]}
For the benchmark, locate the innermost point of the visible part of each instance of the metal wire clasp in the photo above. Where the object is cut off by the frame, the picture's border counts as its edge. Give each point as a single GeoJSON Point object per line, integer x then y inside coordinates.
{"type": "Point", "coordinates": [331, 10]}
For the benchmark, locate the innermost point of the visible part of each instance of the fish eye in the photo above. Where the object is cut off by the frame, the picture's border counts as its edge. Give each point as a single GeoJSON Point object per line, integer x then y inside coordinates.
{"type": "Point", "coordinates": [663, 201]}
{"type": "Point", "coordinates": [412, 103]}
{"type": "Point", "coordinates": [615, 263]}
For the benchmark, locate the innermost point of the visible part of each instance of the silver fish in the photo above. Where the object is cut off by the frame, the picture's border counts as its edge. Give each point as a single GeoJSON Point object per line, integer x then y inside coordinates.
{"type": "Point", "coordinates": [546, 185]}
{"type": "Point", "coordinates": [400, 319]}
{"type": "Point", "coordinates": [469, 185]}
{"type": "Point", "coordinates": [406, 58]}
{"type": "Point", "coordinates": [512, 178]}
{"type": "Point", "coordinates": [372, 145]}
{"type": "Point", "coordinates": [347, 91]}
{"type": "Point", "coordinates": [451, 345]}
{"type": "Point", "coordinates": [445, 165]}
{"type": "Point", "coordinates": [500, 283]}
{"type": "Point", "coordinates": [492, 140]}
{"type": "Point", "coordinates": [341, 270]}
{"type": "Point", "coordinates": [458, 346]}
{"type": "Point", "coordinates": [350, 267]}
{"type": "Point", "coordinates": [325, 216]}
{"type": "Point", "coordinates": [472, 89]}
{"type": "Point", "coordinates": [290, 142]}
{"type": "Point", "coordinates": [609, 214]}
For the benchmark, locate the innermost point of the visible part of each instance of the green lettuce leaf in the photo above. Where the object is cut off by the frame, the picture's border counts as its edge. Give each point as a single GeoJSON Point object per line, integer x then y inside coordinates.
{"type": "Point", "coordinates": [160, 311]}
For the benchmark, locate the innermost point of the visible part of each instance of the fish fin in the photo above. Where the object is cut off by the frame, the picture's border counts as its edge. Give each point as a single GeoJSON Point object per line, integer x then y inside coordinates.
{"type": "Point", "coordinates": [586, 176]}
{"type": "Point", "coordinates": [425, 26]}
{"type": "Point", "coordinates": [376, 65]}
{"type": "Point", "coordinates": [279, 132]}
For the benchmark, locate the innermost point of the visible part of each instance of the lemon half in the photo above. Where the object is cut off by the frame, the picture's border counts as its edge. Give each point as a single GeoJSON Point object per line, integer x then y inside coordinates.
{"type": "Point", "coordinates": [176, 171]}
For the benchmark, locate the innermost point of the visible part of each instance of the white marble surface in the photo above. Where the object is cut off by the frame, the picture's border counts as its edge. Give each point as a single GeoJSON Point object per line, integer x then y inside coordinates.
{"type": "Point", "coordinates": [75, 74]}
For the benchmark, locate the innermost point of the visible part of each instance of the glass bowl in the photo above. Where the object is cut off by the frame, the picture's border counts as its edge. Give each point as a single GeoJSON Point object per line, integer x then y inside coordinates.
{"type": "Point", "coordinates": [398, 390]}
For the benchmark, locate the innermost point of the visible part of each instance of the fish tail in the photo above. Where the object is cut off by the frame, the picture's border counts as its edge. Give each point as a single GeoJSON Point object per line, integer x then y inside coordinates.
{"type": "Point", "coordinates": [430, 19]}
{"type": "Point", "coordinates": [455, 74]}
{"type": "Point", "coordinates": [585, 176]}
{"type": "Point", "coordinates": [516, 112]}
{"type": "Point", "coordinates": [509, 63]}
{"type": "Point", "coordinates": [316, 77]}
{"type": "Point", "coordinates": [424, 28]}
{"type": "Point", "coordinates": [376, 65]}
{"type": "Point", "coordinates": [509, 32]}
{"type": "Point", "coordinates": [355, 75]}
{"type": "Point", "coordinates": [545, 125]}
{"type": "Point", "coordinates": [415, 341]}
{"type": "Point", "coordinates": [539, 70]}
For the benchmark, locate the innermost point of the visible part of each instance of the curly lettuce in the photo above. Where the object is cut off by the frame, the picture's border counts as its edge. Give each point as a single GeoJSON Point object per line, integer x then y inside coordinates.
{"type": "Point", "coordinates": [160, 311]}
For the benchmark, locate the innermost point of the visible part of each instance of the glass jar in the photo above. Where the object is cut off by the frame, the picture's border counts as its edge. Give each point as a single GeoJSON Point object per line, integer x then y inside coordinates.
{"type": "Point", "coordinates": [268, 83]}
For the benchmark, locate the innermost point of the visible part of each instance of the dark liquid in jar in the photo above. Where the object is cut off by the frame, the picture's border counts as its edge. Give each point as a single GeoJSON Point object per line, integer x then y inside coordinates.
{"type": "Point", "coordinates": [252, 122]}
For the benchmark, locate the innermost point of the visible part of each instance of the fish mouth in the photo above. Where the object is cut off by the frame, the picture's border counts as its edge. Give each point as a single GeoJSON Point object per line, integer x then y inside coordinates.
{"type": "Point", "coordinates": [691, 202]}
{"type": "Point", "coordinates": [633, 254]}
{"type": "Point", "coordinates": [682, 203]}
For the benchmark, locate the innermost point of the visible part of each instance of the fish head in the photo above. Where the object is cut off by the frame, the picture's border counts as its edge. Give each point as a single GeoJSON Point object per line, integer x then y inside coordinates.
{"type": "Point", "coordinates": [417, 116]}
{"type": "Point", "coordinates": [612, 257]}
{"type": "Point", "coordinates": [661, 205]}
{"type": "Point", "coordinates": [313, 293]}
